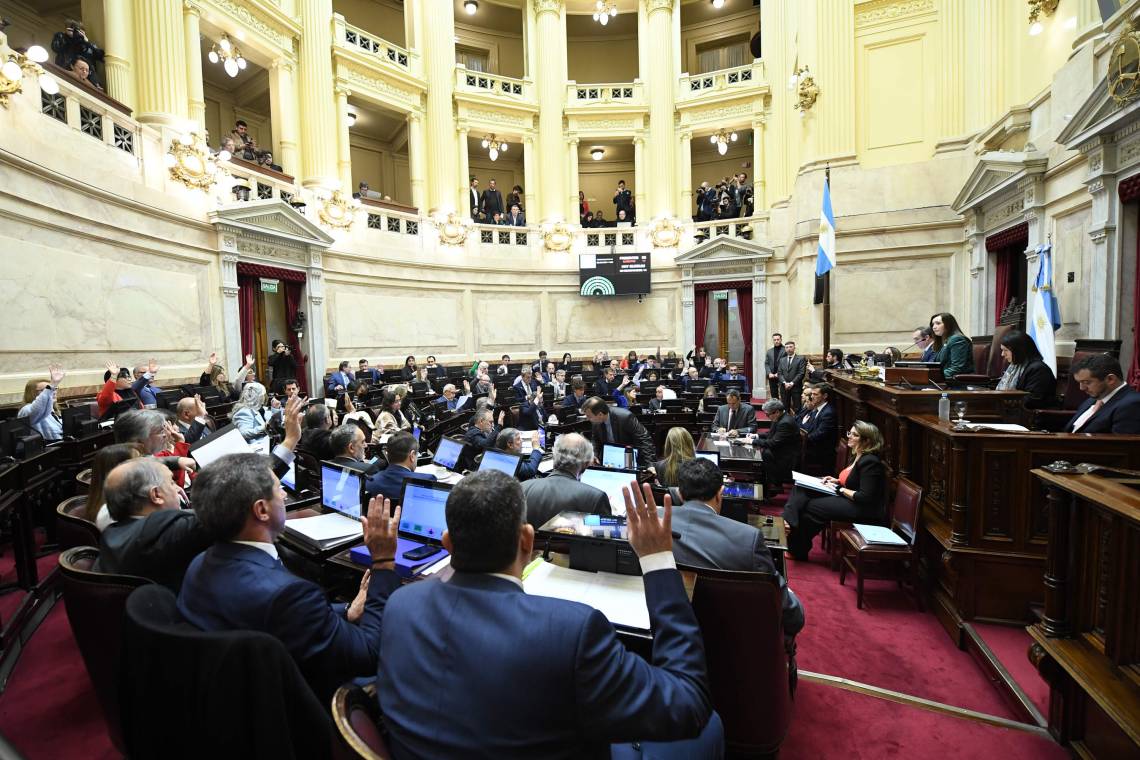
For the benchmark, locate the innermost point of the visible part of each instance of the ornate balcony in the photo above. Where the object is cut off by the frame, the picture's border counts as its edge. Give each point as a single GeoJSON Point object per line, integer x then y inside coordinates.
{"type": "Point", "coordinates": [734, 81]}
{"type": "Point", "coordinates": [496, 85]}
{"type": "Point", "coordinates": [622, 93]}
{"type": "Point", "coordinates": [356, 38]}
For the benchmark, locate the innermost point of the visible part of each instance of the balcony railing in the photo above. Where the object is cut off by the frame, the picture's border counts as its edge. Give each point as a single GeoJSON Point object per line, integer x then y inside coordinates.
{"type": "Point", "coordinates": [624, 93]}
{"type": "Point", "coordinates": [91, 112]}
{"type": "Point", "coordinates": [615, 238]}
{"type": "Point", "coordinates": [356, 38]}
{"type": "Point", "coordinates": [493, 84]}
{"type": "Point", "coordinates": [251, 182]}
{"type": "Point", "coordinates": [385, 218]}
{"type": "Point", "coordinates": [500, 235]}
{"type": "Point", "coordinates": [745, 228]}
{"type": "Point", "coordinates": [738, 77]}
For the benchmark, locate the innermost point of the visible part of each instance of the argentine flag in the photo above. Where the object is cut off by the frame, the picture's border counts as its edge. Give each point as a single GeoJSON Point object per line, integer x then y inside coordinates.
{"type": "Point", "coordinates": [1044, 313]}
{"type": "Point", "coordinates": [825, 256]}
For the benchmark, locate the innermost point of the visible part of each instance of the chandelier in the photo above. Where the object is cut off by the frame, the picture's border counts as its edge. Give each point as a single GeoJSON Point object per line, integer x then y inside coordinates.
{"type": "Point", "coordinates": [604, 10]}
{"type": "Point", "coordinates": [228, 54]}
{"type": "Point", "coordinates": [494, 146]}
{"type": "Point", "coordinates": [722, 139]}
{"type": "Point", "coordinates": [1037, 9]}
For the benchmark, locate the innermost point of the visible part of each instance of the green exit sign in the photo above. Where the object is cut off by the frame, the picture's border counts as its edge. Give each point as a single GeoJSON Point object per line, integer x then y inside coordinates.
{"type": "Point", "coordinates": [718, 295]}
{"type": "Point", "coordinates": [269, 286]}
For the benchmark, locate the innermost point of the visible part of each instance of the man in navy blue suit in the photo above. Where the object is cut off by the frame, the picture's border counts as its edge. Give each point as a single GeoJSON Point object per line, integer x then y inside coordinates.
{"type": "Point", "coordinates": [1112, 406]}
{"type": "Point", "coordinates": [497, 673]}
{"type": "Point", "coordinates": [820, 427]}
{"type": "Point", "coordinates": [239, 583]}
{"type": "Point", "coordinates": [402, 452]}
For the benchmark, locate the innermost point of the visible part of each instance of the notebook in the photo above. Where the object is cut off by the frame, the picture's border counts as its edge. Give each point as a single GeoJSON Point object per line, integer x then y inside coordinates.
{"type": "Point", "coordinates": [877, 534]}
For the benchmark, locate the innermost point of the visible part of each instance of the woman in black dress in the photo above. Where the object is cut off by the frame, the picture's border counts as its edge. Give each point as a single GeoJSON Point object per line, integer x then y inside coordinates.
{"type": "Point", "coordinates": [1027, 371]}
{"type": "Point", "coordinates": [861, 494]}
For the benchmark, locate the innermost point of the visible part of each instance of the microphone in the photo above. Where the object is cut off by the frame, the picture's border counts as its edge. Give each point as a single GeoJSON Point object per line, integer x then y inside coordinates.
{"type": "Point", "coordinates": [912, 345]}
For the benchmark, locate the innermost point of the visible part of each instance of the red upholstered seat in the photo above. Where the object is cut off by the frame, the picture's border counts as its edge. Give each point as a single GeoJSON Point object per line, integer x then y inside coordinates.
{"type": "Point", "coordinates": [878, 561]}
{"type": "Point", "coordinates": [356, 713]}
{"type": "Point", "coordinates": [72, 528]}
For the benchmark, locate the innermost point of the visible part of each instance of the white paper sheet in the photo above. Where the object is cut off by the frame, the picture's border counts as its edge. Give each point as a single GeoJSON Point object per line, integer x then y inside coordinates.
{"type": "Point", "coordinates": [813, 483]}
{"type": "Point", "coordinates": [877, 534]}
{"type": "Point", "coordinates": [621, 598]}
{"type": "Point", "coordinates": [325, 527]}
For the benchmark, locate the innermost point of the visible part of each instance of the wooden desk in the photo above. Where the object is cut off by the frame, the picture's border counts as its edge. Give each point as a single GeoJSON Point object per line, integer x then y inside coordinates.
{"type": "Point", "coordinates": [888, 408]}
{"type": "Point", "coordinates": [985, 525]}
{"type": "Point", "coordinates": [736, 458]}
{"type": "Point", "coordinates": [1088, 645]}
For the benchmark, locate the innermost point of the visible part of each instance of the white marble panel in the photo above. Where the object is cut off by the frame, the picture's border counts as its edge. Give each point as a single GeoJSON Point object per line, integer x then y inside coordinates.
{"type": "Point", "coordinates": [874, 301]}
{"type": "Point", "coordinates": [505, 321]}
{"type": "Point", "coordinates": [586, 322]}
{"type": "Point", "coordinates": [377, 319]}
{"type": "Point", "coordinates": [67, 301]}
{"type": "Point", "coordinates": [1072, 253]}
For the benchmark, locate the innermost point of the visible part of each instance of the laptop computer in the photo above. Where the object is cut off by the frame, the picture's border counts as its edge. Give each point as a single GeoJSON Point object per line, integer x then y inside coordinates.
{"type": "Point", "coordinates": [613, 457]}
{"type": "Point", "coordinates": [423, 519]}
{"type": "Point", "coordinates": [611, 481]}
{"type": "Point", "coordinates": [342, 491]}
{"type": "Point", "coordinates": [712, 456]}
{"type": "Point", "coordinates": [503, 461]}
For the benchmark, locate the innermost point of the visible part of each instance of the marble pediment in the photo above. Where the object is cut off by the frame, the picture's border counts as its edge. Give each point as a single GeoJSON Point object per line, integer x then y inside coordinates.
{"type": "Point", "coordinates": [271, 219]}
{"type": "Point", "coordinates": [1098, 115]}
{"type": "Point", "coordinates": [998, 173]}
{"type": "Point", "coordinates": [724, 250]}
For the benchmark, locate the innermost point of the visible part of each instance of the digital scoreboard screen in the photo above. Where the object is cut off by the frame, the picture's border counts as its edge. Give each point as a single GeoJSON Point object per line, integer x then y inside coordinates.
{"type": "Point", "coordinates": [613, 274]}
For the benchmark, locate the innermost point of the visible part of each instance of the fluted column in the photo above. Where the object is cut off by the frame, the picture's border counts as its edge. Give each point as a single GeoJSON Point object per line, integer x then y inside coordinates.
{"type": "Point", "coordinates": [438, 24]}
{"type": "Point", "coordinates": [283, 111]}
{"type": "Point", "coordinates": [639, 179]}
{"type": "Point", "coordinates": [834, 112]}
{"type": "Point", "coordinates": [315, 85]}
{"type": "Point", "coordinates": [528, 176]}
{"type": "Point", "coordinates": [685, 158]}
{"type": "Point", "coordinates": [551, 85]}
{"type": "Point", "coordinates": [196, 103]}
{"type": "Point", "coordinates": [119, 50]}
{"type": "Point", "coordinates": [343, 142]}
{"type": "Point", "coordinates": [759, 173]}
{"type": "Point", "coordinates": [572, 176]}
{"type": "Point", "coordinates": [952, 27]}
{"type": "Point", "coordinates": [160, 42]}
{"type": "Point", "coordinates": [417, 163]}
{"type": "Point", "coordinates": [661, 87]}
{"type": "Point", "coordinates": [464, 184]}
{"type": "Point", "coordinates": [991, 79]}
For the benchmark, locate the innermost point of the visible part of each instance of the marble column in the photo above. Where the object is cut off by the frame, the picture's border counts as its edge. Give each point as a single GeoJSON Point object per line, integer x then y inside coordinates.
{"type": "Point", "coordinates": [639, 178]}
{"type": "Point", "coordinates": [685, 159]}
{"type": "Point", "coordinates": [283, 111]}
{"type": "Point", "coordinates": [315, 84]}
{"type": "Point", "coordinates": [834, 112]}
{"type": "Point", "coordinates": [528, 176]}
{"type": "Point", "coordinates": [661, 87]}
{"type": "Point", "coordinates": [119, 51]}
{"type": "Point", "coordinates": [572, 175]}
{"type": "Point", "coordinates": [315, 329]}
{"type": "Point", "coordinates": [980, 300]}
{"type": "Point", "coordinates": [952, 87]}
{"type": "Point", "coordinates": [196, 104]}
{"type": "Point", "coordinates": [551, 86]}
{"type": "Point", "coordinates": [160, 42]}
{"type": "Point", "coordinates": [759, 174]}
{"type": "Point", "coordinates": [438, 23]}
{"type": "Point", "coordinates": [759, 332]}
{"type": "Point", "coordinates": [1104, 231]}
{"type": "Point", "coordinates": [417, 163]}
{"type": "Point", "coordinates": [990, 89]}
{"type": "Point", "coordinates": [463, 206]}
{"type": "Point", "coordinates": [343, 142]}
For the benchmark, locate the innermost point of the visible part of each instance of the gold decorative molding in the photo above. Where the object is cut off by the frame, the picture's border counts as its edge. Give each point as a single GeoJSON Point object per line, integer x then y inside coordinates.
{"type": "Point", "coordinates": [1123, 77]}
{"type": "Point", "coordinates": [666, 233]}
{"type": "Point", "coordinates": [547, 6]}
{"type": "Point", "coordinates": [880, 11]}
{"type": "Point", "coordinates": [190, 162]}
{"type": "Point", "coordinates": [337, 211]}
{"type": "Point", "coordinates": [558, 238]}
{"type": "Point", "coordinates": [454, 229]}
{"type": "Point", "coordinates": [253, 18]}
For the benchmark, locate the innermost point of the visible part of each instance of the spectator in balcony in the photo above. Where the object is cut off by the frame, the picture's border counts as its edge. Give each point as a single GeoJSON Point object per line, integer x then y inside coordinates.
{"type": "Point", "coordinates": [265, 158]}
{"type": "Point", "coordinates": [492, 201]}
{"type": "Point", "coordinates": [600, 219]}
{"type": "Point", "coordinates": [588, 220]}
{"type": "Point", "coordinates": [364, 190]}
{"type": "Point", "coordinates": [623, 199]}
{"type": "Point", "coordinates": [226, 145]}
{"type": "Point", "coordinates": [81, 70]}
{"type": "Point", "coordinates": [515, 197]}
{"type": "Point", "coordinates": [624, 218]}
{"type": "Point", "coordinates": [706, 199]}
{"type": "Point", "coordinates": [246, 145]}
{"type": "Point", "coordinates": [473, 192]}
{"type": "Point", "coordinates": [583, 208]}
{"type": "Point", "coordinates": [72, 45]}
{"type": "Point", "coordinates": [516, 219]}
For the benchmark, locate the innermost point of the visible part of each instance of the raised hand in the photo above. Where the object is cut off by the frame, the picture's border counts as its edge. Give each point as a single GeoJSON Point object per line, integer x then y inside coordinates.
{"type": "Point", "coordinates": [380, 530]}
{"type": "Point", "coordinates": [199, 406]}
{"type": "Point", "coordinates": [152, 367]}
{"type": "Point", "coordinates": [213, 358]}
{"type": "Point", "coordinates": [112, 367]}
{"type": "Point", "coordinates": [56, 373]}
{"type": "Point", "coordinates": [292, 416]}
{"type": "Point", "coordinates": [356, 608]}
{"type": "Point", "coordinates": [249, 360]}
{"type": "Point", "coordinates": [648, 533]}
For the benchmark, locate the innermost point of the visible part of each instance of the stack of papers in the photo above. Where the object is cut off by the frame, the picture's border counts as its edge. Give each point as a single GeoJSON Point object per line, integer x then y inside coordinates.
{"type": "Point", "coordinates": [877, 534]}
{"type": "Point", "coordinates": [813, 483]}
{"type": "Point", "coordinates": [621, 598]}
{"type": "Point", "coordinates": [325, 531]}
{"type": "Point", "coordinates": [1001, 427]}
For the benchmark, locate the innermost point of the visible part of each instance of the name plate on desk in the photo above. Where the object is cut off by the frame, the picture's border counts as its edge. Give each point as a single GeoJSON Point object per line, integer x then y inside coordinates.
{"type": "Point", "coordinates": [913, 375]}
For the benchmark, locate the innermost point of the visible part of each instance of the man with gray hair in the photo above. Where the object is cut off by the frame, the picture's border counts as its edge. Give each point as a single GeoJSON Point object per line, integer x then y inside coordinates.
{"type": "Point", "coordinates": [510, 439]}
{"type": "Point", "coordinates": [561, 490]}
{"type": "Point", "coordinates": [347, 442]}
{"type": "Point", "coordinates": [781, 447]}
{"type": "Point", "coordinates": [152, 536]}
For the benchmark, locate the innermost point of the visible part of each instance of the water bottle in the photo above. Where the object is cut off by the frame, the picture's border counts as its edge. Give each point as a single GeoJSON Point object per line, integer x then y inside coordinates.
{"type": "Point", "coordinates": [944, 407]}
{"type": "Point", "coordinates": [629, 457]}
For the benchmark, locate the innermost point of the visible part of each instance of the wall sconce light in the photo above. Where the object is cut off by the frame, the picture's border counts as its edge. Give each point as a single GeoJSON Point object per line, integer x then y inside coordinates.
{"type": "Point", "coordinates": [604, 10]}
{"type": "Point", "coordinates": [597, 153]}
{"type": "Point", "coordinates": [1038, 8]}
{"type": "Point", "coordinates": [722, 139]}
{"type": "Point", "coordinates": [807, 91]}
{"type": "Point", "coordinates": [18, 65]}
{"type": "Point", "coordinates": [228, 55]}
{"type": "Point", "coordinates": [494, 146]}
{"type": "Point", "coordinates": [470, 6]}
{"type": "Point", "coordinates": [351, 120]}
{"type": "Point", "coordinates": [717, 4]}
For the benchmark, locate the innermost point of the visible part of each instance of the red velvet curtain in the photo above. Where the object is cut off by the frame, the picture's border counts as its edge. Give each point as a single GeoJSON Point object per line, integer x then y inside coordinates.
{"type": "Point", "coordinates": [1003, 277]}
{"type": "Point", "coordinates": [1134, 368]}
{"type": "Point", "coordinates": [247, 305]}
{"type": "Point", "coordinates": [744, 310]}
{"type": "Point", "coordinates": [701, 311]}
{"type": "Point", "coordinates": [292, 306]}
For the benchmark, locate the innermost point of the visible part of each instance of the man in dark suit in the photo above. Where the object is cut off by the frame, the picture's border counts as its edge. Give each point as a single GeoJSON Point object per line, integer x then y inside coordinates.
{"type": "Point", "coordinates": [492, 201]}
{"type": "Point", "coordinates": [585, 690]}
{"type": "Point", "coordinates": [402, 451]}
{"type": "Point", "coordinates": [318, 424]}
{"type": "Point", "coordinates": [820, 428]}
{"type": "Point", "coordinates": [733, 373]}
{"type": "Point", "coordinates": [510, 440]}
{"type": "Point", "coordinates": [482, 432]}
{"type": "Point", "coordinates": [1112, 406]}
{"type": "Point", "coordinates": [791, 372]}
{"type": "Point", "coordinates": [623, 200]}
{"type": "Point", "coordinates": [348, 443]}
{"type": "Point", "coordinates": [239, 583]}
{"type": "Point", "coordinates": [772, 364]}
{"type": "Point", "coordinates": [619, 427]}
{"type": "Point", "coordinates": [473, 193]}
{"type": "Point", "coordinates": [339, 380]}
{"type": "Point", "coordinates": [152, 536]}
{"type": "Point", "coordinates": [516, 218]}
{"type": "Point", "coordinates": [370, 375]}
{"type": "Point", "coordinates": [734, 417]}
{"type": "Point", "coordinates": [193, 419]}
{"type": "Point", "coordinates": [924, 342]}
{"type": "Point", "coordinates": [708, 539]}
{"type": "Point", "coordinates": [781, 447]}
{"type": "Point", "coordinates": [561, 490]}
{"type": "Point", "coordinates": [577, 395]}
{"type": "Point", "coordinates": [605, 385]}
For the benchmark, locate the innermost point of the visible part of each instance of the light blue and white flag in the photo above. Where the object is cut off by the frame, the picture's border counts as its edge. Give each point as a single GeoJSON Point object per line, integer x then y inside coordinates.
{"type": "Point", "coordinates": [1044, 317]}
{"type": "Point", "coordinates": [825, 256]}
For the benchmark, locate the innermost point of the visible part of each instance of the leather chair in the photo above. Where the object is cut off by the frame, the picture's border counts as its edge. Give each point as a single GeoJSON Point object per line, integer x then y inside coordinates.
{"type": "Point", "coordinates": [95, 603]}
{"type": "Point", "coordinates": [71, 527]}
{"type": "Point", "coordinates": [829, 538]}
{"type": "Point", "coordinates": [992, 366]}
{"type": "Point", "coordinates": [1055, 420]}
{"type": "Point", "coordinates": [83, 481]}
{"type": "Point", "coordinates": [187, 693]}
{"type": "Point", "coordinates": [356, 713]}
{"type": "Point", "coordinates": [751, 670]}
{"type": "Point", "coordinates": [886, 561]}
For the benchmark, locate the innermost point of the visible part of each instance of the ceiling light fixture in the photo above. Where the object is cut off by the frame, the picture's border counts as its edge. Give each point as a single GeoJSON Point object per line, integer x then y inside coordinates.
{"type": "Point", "coordinates": [717, 4]}
{"type": "Point", "coordinates": [722, 139]}
{"type": "Point", "coordinates": [351, 120]}
{"type": "Point", "coordinates": [227, 53]}
{"type": "Point", "coordinates": [494, 146]}
{"type": "Point", "coordinates": [597, 153]}
{"type": "Point", "coordinates": [604, 10]}
{"type": "Point", "coordinates": [470, 6]}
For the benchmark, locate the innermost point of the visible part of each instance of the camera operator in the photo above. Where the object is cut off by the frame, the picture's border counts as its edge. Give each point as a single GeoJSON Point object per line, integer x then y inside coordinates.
{"type": "Point", "coordinates": [282, 365]}
{"type": "Point", "coordinates": [71, 45]}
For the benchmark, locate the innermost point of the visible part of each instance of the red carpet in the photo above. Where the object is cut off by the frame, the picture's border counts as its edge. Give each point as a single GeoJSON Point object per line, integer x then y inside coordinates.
{"type": "Point", "coordinates": [1011, 644]}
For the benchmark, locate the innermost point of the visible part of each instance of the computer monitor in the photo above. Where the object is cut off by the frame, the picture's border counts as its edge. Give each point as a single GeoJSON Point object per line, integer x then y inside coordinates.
{"type": "Point", "coordinates": [611, 481]}
{"type": "Point", "coordinates": [73, 418]}
{"type": "Point", "coordinates": [289, 479]}
{"type": "Point", "coordinates": [11, 431]}
{"type": "Point", "coordinates": [673, 404]}
{"type": "Point", "coordinates": [342, 490]}
{"type": "Point", "coordinates": [423, 516]}
{"type": "Point", "coordinates": [169, 399]}
{"type": "Point", "coordinates": [712, 456]}
{"type": "Point", "coordinates": [448, 453]}
{"type": "Point", "coordinates": [503, 461]}
{"type": "Point", "coordinates": [698, 386]}
{"type": "Point", "coordinates": [614, 456]}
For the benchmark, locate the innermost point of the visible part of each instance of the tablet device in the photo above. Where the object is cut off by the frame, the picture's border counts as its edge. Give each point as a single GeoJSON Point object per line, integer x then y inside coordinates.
{"type": "Point", "coordinates": [423, 516]}
{"type": "Point", "coordinates": [493, 459]}
{"type": "Point", "coordinates": [342, 490]}
{"type": "Point", "coordinates": [712, 456]}
{"type": "Point", "coordinates": [611, 481]}
{"type": "Point", "coordinates": [614, 456]}
{"type": "Point", "coordinates": [448, 453]}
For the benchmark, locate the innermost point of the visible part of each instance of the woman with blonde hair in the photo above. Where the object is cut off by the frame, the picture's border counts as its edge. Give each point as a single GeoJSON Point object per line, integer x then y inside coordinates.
{"type": "Point", "coordinates": [860, 493]}
{"type": "Point", "coordinates": [41, 408]}
{"type": "Point", "coordinates": [679, 447]}
{"type": "Point", "coordinates": [215, 375]}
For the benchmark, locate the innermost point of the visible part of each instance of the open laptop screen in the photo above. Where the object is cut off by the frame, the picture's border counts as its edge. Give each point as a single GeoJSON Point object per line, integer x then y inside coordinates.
{"type": "Point", "coordinates": [712, 456]}
{"type": "Point", "coordinates": [614, 456]}
{"type": "Point", "coordinates": [610, 481]}
{"type": "Point", "coordinates": [501, 461]}
{"type": "Point", "coordinates": [342, 490]}
{"type": "Point", "coordinates": [289, 479]}
{"type": "Point", "coordinates": [447, 453]}
{"type": "Point", "coordinates": [423, 515]}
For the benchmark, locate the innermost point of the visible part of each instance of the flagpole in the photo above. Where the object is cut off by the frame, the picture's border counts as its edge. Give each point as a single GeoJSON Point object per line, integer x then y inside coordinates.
{"type": "Point", "coordinates": [826, 288]}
